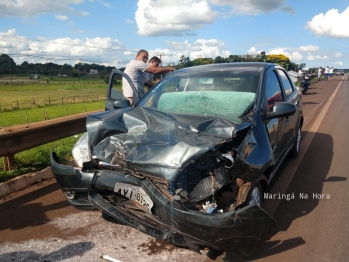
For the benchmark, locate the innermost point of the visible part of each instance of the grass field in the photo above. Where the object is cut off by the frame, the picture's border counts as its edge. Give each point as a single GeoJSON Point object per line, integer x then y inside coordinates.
{"type": "Point", "coordinates": [38, 158]}
{"type": "Point", "coordinates": [25, 116]}
{"type": "Point", "coordinates": [54, 92]}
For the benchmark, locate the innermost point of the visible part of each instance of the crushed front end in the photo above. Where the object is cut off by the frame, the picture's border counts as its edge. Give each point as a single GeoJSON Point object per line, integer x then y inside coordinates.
{"type": "Point", "coordinates": [188, 190]}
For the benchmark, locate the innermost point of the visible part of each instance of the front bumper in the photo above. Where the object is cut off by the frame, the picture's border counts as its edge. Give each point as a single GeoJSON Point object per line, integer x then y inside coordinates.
{"type": "Point", "coordinates": [170, 220]}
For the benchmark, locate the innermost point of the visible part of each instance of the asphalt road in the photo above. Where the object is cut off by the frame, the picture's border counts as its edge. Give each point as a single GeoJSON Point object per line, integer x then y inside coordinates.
{"type": "Point", "coordinates": [37, 224]}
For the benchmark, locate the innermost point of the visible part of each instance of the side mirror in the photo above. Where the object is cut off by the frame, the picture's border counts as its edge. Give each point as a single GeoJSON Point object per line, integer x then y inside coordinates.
{"type": "Point", "coordinates": [121, 103]}
{"type": "Point", "coordinates": [282, 109]}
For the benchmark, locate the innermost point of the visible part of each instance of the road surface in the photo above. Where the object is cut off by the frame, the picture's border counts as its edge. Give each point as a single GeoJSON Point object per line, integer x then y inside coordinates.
{"type": "Point", "coordinates": [37, 224]}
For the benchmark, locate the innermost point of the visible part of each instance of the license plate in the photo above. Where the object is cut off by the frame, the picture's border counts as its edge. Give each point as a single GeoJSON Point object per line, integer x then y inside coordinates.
{"type": "Point", "coordinates": [135, 193]}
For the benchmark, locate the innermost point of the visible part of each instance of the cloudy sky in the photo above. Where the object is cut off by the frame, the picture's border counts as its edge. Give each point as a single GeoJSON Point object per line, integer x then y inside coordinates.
{"type": "Point", "coordinates": [110, 32]}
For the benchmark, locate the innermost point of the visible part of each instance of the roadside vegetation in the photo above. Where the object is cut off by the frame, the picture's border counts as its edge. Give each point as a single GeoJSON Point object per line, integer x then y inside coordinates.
{"type": "Point", "coordinates": [47, 105]}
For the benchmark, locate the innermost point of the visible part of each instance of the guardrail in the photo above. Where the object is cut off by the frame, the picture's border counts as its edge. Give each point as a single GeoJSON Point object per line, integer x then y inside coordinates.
{"type": "Point", "coordinates": [15, 139]}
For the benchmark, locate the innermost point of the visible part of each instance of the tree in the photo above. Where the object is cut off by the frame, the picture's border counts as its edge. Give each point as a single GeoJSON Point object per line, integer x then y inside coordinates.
{"type": "Point", "coordinates": [279, 59]}
{"type": "Point", "coordinates": [202, 61]}
{"type": "Point", "coordinates": [6, 64]}
{"type": "Point", "coordinates": [219, 60]}
{"type": "Point", "coordinates": [302, 65]}
{"type": "Point", "coordinates": [234, 58]}
{"type": "Point", "coordinates": [184, 62]}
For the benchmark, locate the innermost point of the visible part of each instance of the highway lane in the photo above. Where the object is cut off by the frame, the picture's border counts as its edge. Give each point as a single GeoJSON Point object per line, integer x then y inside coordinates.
{"type": "Point", "coordinates": [37, 224]}
{"type": "Point", "coordinates": [314, 225]}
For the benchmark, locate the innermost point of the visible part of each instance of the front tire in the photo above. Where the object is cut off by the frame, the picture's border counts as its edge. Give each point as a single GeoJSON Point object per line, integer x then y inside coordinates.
{"type": "Point", "coordinates": [254, 196]}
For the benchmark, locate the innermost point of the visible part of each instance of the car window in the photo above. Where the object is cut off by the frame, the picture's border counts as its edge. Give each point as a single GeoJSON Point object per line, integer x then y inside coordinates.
{"type": "Point", "coordinates": [272, 89]}
{"type": "Point", "coordinates": [218, 93]}
{"type": "Point", "coordinates": [285, 82]}
{"type": "Point", "coordinates": [116, 89]}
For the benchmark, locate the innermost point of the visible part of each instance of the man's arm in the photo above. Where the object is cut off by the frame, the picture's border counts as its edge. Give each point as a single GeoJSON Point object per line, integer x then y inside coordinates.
{"type": "Point", "coordinates": [157, 70]}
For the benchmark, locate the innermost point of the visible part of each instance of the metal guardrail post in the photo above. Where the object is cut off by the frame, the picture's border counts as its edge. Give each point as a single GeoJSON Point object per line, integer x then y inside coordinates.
{"type": "Point", "coordinates": [9, 163]}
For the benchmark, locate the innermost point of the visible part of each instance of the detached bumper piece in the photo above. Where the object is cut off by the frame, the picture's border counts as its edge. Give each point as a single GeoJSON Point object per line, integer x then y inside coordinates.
{"type": "Point", "coordinates": [136, 218]}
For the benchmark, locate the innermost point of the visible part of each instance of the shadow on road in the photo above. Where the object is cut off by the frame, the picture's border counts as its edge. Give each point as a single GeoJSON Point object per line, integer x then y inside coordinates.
{"type": "Point", "coordinates": [306, 187]}
{"type": "Point", "coordinates": [24, 211]}
{"type": "Point", "coordinates": [69, 251]}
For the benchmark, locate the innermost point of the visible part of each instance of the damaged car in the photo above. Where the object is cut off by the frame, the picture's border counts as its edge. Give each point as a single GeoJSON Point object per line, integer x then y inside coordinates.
{"type": "Point", "coordinates": [189, 162]}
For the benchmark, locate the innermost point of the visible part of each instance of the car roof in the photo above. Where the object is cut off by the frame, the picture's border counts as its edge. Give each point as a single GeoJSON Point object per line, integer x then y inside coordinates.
{"type": "Point", "coordinates": [244, 66]}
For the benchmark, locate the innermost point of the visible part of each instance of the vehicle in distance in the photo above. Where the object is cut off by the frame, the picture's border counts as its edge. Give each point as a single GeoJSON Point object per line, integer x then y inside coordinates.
{"type": "Point", "coordinates": [340, 72]}
{"type": "Point", "coordinates": [189, 162]}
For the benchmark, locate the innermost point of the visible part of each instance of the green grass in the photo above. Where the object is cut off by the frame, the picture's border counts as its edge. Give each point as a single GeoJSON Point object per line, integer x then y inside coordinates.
{"type": "Point", "coordinates": [38, 158]}
{"type": "Point", "coordinates": [29, 96]}
{"type": "Point", "coordinates": [19, 117]}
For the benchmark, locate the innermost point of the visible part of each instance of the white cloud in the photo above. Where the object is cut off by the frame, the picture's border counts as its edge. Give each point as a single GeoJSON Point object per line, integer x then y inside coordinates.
{"type": "Point", "coordinates": [296, 57]}
{"type": "Point", "coordinates": [339, 54]}
{"type": "Point", "coordinates": [10, 32]}
{"type": "Point", "coordinates": [201, 48]}
{"type": "Point", "coordinates": [62, 17]}
{"type": "Point", "coordinates": [312, 57]}
{"type": "Point", "coordinates": [252, 50]}
{"type": "Point", "coordinates": [31, 8]}
{"type": "Point", "coordinates": [331, 24]}
{"type": "Point", "coordinates": [182, 17]}
{"type": "Point", "coordinates": [83, 13]}
{"type": "Point", "coordinates": [338, 63]}
{"type": "Point", "coordinates": [91, 50]}
{"type": "Point", "coordinates": [101, 50]}
{"type": "Point", "coordinates": [309, 48]}
{"type": "Point", "coordinates": [253, 7]}
{"type": "Point", "coordinates": [163, 17]}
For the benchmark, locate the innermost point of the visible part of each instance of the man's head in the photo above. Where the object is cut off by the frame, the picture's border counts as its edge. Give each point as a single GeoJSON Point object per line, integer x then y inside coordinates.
{"type": "Point", "coordinates": [154, 61]}
{"type": "Point", "coordinates": [142, 55]}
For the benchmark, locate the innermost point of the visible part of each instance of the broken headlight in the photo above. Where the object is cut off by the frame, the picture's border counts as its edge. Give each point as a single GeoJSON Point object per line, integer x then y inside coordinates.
{"type": "Point", "coordinates": [81, 150]}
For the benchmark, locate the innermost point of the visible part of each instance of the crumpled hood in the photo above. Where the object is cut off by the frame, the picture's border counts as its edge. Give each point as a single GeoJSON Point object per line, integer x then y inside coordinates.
{"type": "Point", "coordinates": [154, 142]}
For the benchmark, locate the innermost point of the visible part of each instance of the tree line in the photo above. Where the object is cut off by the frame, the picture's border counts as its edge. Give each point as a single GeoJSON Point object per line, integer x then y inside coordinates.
{"type": "Point", "coordinates": [9, 67]}
{"type": "Point", "coordinates": [279, 59]}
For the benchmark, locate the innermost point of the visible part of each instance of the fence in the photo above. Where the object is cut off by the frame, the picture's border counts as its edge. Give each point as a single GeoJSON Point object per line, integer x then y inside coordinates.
{"type": "Point", "coordinates": [16, 105]}
{"type": "Point", "coordinates": [17, 82]}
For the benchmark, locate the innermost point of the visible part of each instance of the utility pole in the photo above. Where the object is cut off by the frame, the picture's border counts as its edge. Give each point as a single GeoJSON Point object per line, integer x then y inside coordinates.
{"type": "Point", "coordinates": [263, 55]}
{"type": "Point", "coordinates": [11, 73]}
{"type": "Point", "coordinates": [160, 55]}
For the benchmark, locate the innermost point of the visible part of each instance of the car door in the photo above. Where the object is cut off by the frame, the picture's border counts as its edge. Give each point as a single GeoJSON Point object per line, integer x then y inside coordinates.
{"type": "Point", "coordinates": [291, 96]}
{"type": "Point", "coordinates": [275, 126]}
{"type": "Point", "coordinates": [115, 98]}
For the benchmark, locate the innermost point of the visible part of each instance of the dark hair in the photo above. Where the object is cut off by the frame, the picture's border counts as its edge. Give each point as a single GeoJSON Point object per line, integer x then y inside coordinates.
{"type": "Point", "coordinates": [142, 51]}
{"type": "Point", "coordinates": [155, 59]}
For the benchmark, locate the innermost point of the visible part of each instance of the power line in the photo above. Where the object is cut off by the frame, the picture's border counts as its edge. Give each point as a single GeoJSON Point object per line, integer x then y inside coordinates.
{"type": "Point", "coordinates": [60, 58]}
{"type": "Point", "coordinates": [76, 45]}
{"type": "Point", "coordinates": [67, 44]}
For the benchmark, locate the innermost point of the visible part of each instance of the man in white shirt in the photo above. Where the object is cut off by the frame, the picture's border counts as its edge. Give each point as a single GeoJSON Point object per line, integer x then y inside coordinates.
{"type": "Point", "coordinates": [319, 72]}
{"type": "Point", "coordinates": [327, 71]}
{"type": "Point", "coordinates": [330, 74]}
{"type": "Point", "coordinates": [135, 70]}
